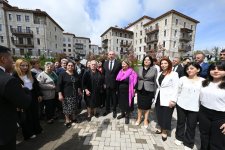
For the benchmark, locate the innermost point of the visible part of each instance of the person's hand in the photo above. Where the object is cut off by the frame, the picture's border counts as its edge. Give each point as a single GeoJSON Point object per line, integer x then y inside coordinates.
{"type": "Point", "coordinates": [172, 104]}
{"type": "Point", "coordinates": [61, 98]}
{"type": "Point", "coordinates": [39, 99]}
{"type": "Point", "coordinates": [223, 128]}
{"type": "Point", "coordinates": [88, 93]}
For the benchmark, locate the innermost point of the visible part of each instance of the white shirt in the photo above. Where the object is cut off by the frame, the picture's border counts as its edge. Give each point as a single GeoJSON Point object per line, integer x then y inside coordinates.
{"type": "Point", "coordinates": [27, 82]}
{"type": "Point", "coordinates": [113, 61]}
{"type": "Point", "coordinates": [189, 93]}
{"type": "Point", "coordinates": [212, 97]}
{"type": "Point", "coordinates": [2, 68]}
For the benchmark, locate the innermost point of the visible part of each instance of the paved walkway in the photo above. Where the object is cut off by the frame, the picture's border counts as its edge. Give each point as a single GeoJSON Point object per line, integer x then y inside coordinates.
{"type": "Point", "coordinates": [103, 133]}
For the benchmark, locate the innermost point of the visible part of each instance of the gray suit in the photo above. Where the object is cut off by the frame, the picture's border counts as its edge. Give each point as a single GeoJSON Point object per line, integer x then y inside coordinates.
{"type": "Point", "coordinates": [148, 81]}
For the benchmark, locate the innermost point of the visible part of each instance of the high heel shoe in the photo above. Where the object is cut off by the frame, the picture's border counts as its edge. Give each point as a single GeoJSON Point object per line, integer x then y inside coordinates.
{"type": "Point", "coordinates": [164, 137]}
{"type": "Point", "coordinates": [158, 132]}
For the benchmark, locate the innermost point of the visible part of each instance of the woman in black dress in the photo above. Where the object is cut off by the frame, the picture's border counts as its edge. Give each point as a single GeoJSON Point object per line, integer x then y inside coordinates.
{"type": "Point", "coordinates": [92, 85]}
{"type": "Point", "coordinates": [30, 123]}
{"type": "Point", "coordinates": [69, 88]}
{"type": "Point", "coordinates": [146, 87]}
{"type": "Point", "coordinates": [127, 79]}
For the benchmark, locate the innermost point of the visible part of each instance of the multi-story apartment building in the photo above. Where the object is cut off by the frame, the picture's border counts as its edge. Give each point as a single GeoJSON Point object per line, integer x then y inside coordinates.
{"type": "Point", "coordinates": [73, 46]}
{"type": "Point", "coordinates": [117, 39]}
{"type": "Point", "coordinates": [171, 34]}
{"type": "Point", "coordinates": [95, 49]}
{"type": "Point", "coordinates": [31, 32]}
{"type": "Point", "coordinates": [82, 46]}
{"type": "Point", "coordinates": [68, 44]}
{"type": "Point", "coordinates": [139, 39]}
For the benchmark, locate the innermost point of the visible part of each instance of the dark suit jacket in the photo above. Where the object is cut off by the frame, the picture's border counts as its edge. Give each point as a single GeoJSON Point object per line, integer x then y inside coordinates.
{"type": "Point", "coordinates": [204, 72]}
{"type": "Point", "coordinates": [180, 70]}
{"type": "Point", "coordinates": [12, 96]}
{"type": "Point", "coordinates": [110, 76]}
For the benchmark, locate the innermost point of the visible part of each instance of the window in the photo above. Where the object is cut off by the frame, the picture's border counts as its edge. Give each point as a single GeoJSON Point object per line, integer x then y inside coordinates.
{"type": "Point", "coordinates": [18, 17]}
{"type": "Point", "coordinates": [29, 42]}
{"type": "Point", "coordinates": [141, 23]}
{"type": "Point", "coordinates": [174, 44]}
{"type": "Point", "coordinates": [39, 52]}
{"type": "Point", "coordinates": [140, 41]}
{"type": "Point", "coordinates": [69, 40]}
{"type": "Point", "coordinates": [0, 27]}
{"type": "Point", "coordinates": [164, 43]}
{"type": "Point", "coordinates": [165, 22]}
{"type": "Point", "coordinates": [20, 40]}
{"type": "Point", "coordinates": [125, 35]}
{"type": "Point", "coordinates": [19, 28]}
{"type": "Point", "coordinates": [64, 45]}
{"type": "Point", "coordinates": [27, 29]}
{"type": "Point", "coordinates": [64, 39]}
{"type": "Point", "coordinates": [164, 32]}
{"type": "Point", "coordinates": [175, 33]}
{"type": "Point", "coordinates": [120, 34]}
{"type": "Point", "coordinates": [56, 46]}
{"type": "Point", "coordinates": [184, 24]}
{"type": "Point", "coordinates": [27, 18]}
{"type": "Point", "coordinates": [10, 16]}
{"type": "Point", "coordinates": [117, 41]}
{"type": "Point", "coordinates": [140, 32]}
{"type": "Point", "coordinates": [64, 50]}
{"type": "Point", "coordinates": [191, 27]}
{"type": "Point", "coordinates": [69, 50]}
{"type": "Point", "coordinates": [176, 21]}
{"type": "Point", "coordinates": [1, 39]}
{"type": "Point", "coordinates": [37, 29]}
{"type": "Point", "coordinates": [149, 47]}
{"type": "Point", "coordinates": [69, 45]}
{"type": "Point", "coordinates": [136, 34]}
{"type": "Point", "coordinates": [55, 37]}
{"type": "Point", "coordinates": [21, 51]}
{"type": "Point", "coordinates": [116, 33]}
{"type": "Point", "coordinates": [139, 49]}
{"type": "Point", "coordinates": [38, 41]}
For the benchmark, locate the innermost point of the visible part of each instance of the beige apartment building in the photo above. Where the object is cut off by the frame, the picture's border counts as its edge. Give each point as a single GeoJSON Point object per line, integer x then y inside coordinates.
{"type": "Point", "coordinates": [117, 39]}
{"type": "Point", "coordinates": [139, 38]}
{"type": "Point", "coordinates": [171, 34]}
{"type": "Point", "coordinates": [31, 32]}
{"type": "Point", "coordinates": [73, 46]}
{"type": "Point", "coordinates": [95, 49]}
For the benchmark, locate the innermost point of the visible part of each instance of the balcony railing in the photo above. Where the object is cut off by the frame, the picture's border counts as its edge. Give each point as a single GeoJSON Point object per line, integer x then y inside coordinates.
{"type": "Point", "coordinates": [186, 30]}
{"type": "Point", "coordinates": [125, 44]}
{"type": "Point", "coordinates": [184, 48]}
{"type": "Point", "coordinates": [151, 31]}
{"type": "Point", "coordinates": [104, 45]}
{"type": "Point", "coordinates": [152, 40]}
{"type": "Point", "coordinates": [23, 44]}
{"type": "Point", "coordinates": [185, 39]}
{"type": "Point", "coordinates": [21, 31]}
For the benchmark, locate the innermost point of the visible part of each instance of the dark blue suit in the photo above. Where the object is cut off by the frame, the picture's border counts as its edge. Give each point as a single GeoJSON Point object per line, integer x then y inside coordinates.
{"type": "Point", "coordinates": [204, 72]}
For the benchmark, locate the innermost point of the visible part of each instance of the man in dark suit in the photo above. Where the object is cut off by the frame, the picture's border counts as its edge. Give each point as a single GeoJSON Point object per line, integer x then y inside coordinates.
{"type": "Point", "coordinates": [178, 67]}
{"type": "Point", "coordinates": [12, 96]}
{"type": "Point", "coordinates": [111, 69]}
{"type": "Point", "coordinates": [199, 58]}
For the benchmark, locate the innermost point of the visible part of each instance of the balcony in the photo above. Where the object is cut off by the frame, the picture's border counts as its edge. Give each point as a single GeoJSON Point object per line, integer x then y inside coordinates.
{"type": "Point", "coordinates": [185, 39]}
{"type": "Point", "coordinates": [184, 48]}
{"type": "Point", "coordinates": [152, 40]}
{"type": "Point", "coordinates": [151, 31]}
{"type": "Point", "coordinates": [186, 30]}
{"type": "Point", "coordinates": [125, 44]}
{"type": "Point", "coordinates": [104, 45]}
{"type": "Point", "coordinates": [23, 32]}
{"type": "Point", "coordinates": [23, 44]}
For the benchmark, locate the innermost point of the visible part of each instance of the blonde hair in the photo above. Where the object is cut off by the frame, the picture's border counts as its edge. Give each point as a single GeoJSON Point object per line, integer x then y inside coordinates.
{"type": "Point", "coordinates": [18, 70]}
{"type": "Point", "coordinates": [127, 61]}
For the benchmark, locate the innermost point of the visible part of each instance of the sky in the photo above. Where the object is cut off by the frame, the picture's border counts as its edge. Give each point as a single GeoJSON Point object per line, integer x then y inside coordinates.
{"type": "Point", "coordinates": [91, 18]}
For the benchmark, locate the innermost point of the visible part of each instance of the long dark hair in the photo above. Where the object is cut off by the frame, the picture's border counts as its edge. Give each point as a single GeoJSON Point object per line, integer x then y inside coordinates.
{"type": "Point", "coordinates": [220, 66]}
{"type": "Point", "coordinates": [196, 65]}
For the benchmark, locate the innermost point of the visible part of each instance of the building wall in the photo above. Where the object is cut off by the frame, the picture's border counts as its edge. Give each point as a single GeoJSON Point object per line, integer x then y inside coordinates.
{"type": "Point", "coordinates": [68, 45]}
{"type": "Point", "coordinates": [3, 37]}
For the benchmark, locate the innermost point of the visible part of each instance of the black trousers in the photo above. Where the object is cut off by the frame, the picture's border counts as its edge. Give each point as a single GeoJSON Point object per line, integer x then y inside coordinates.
{"type": "Point", "coordinates": [49, 108]}
{"type": "Point", "coordinates": [186, 124]}
{"type": "Point", "coordinates": [10, 145]}
{"type": "Point", "coordinates": [211, 135]}
{"type": "Point", "coordinates": [111, 98]}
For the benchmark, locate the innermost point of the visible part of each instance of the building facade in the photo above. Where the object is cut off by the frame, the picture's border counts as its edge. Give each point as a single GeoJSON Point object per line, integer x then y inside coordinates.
{"type": "Point", "coordinates": [68, 44]}
{"type": "Point", "coordinates": [139, 38]}
{"type": "Point", "coordinates": [171, 34]}
{"type": "Point", "coordinates": [95, 49]}
{"type": "Point", "coordinates": [117, 39]}
{"type": "Point", "coordinates": [31, 32]}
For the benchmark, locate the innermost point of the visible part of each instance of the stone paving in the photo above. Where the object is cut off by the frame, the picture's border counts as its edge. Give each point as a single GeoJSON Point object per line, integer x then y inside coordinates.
{"type": "Point", "coordinates": [103, 133]}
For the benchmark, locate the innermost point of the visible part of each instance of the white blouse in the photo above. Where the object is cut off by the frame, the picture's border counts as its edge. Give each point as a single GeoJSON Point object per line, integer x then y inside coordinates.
{"type": "Point", "coordinates": [27, 82]}
{"type": "Point", "coordinates": [189, 93]}
{"type": "Point", "coordinates": [212, 97]}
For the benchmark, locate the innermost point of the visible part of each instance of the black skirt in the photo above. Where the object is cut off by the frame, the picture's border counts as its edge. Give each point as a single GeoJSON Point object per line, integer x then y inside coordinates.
{"type": "Point", "coordinates": [144, 99]}
{"type": "Point", "coordinates": [164, 115]}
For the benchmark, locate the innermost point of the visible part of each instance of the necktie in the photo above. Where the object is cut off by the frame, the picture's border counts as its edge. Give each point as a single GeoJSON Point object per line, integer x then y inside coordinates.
{"type": "Point", "coordinates": [110, 67]}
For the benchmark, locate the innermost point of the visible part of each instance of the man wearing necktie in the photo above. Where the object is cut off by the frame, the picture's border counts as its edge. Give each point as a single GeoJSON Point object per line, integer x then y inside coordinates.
{"type": "Point", "coordinates": [9, 102]}
{"type": "Point", "coordinates": [111, 69]}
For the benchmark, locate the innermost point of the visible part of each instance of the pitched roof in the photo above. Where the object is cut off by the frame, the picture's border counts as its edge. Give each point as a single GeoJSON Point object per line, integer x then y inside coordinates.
{"type": "Point", "coordinates": [131, 24]}
{"type": "Point", "coordinates": [171, 12]}
{"type": "Point", "coordinates": [115, 28]}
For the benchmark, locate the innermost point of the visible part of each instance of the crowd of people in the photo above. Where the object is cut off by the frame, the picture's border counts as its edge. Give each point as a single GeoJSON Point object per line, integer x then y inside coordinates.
{"type": "Point", "coordinates": [194, 88]}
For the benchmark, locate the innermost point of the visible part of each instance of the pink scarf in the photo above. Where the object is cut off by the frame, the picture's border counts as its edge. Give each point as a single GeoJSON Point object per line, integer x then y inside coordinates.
{"type": "Point", "coordinates": [122, 75]}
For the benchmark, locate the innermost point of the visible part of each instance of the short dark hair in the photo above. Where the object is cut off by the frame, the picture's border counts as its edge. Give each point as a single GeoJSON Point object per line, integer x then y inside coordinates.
{"type": "Point", "coordinates": [4, 49]}
{"type": "Point", "coordinates": [150, 60]}
{"type": "Point", "coordinates": [186, 59]}
{"type": "Point", "coordinates": [220, 66]}
{"type": "Point", "coordinates": [222, 51]}
{"type": "Point", "coordinates": [196, 65]}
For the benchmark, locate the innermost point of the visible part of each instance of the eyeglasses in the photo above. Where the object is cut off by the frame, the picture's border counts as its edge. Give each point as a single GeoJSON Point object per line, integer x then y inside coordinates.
{"type": "Point", "coordinates": [23, 65]}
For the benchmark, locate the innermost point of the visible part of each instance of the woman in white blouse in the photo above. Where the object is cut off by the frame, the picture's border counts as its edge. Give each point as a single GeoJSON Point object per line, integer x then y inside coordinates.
{"type": "Point", "coordinates": [212, 109]}
{"type": "Point", "coordinates": [188, 105]}
{"type": "Point", "coordinates": [166, 96]}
